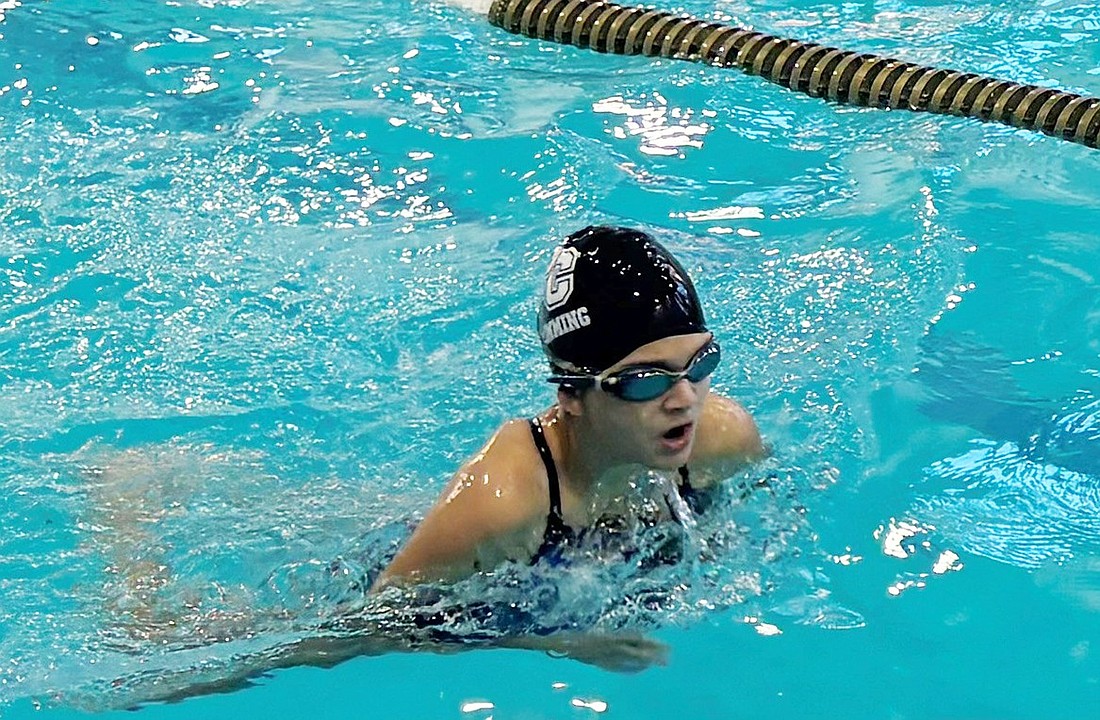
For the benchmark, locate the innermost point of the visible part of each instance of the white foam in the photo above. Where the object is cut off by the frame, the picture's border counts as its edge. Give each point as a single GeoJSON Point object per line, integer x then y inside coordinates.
{"type": "Point", "coordinates": [479, 6]}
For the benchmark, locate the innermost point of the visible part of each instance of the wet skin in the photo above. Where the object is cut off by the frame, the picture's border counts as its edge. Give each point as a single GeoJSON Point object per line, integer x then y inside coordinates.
{"type": "Point", "coordinates": [495, 507]}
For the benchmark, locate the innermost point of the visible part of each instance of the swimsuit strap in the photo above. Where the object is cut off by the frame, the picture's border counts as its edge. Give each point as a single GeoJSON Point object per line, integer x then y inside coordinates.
{"type": "Point", "coordinates": [698, 500]}
{"type": "Point", "coordinates": [556, 529]}
{"type": "Point", "coordinates": [557, 532]}
{"type": "Point", "coordinates": [685, 480]}
{"type": "Point", "coordinates": [539, 436]}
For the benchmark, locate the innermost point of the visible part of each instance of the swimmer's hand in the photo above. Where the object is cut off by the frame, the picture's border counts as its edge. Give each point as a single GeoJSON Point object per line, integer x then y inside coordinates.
{"type": "Point", "coordinates": [621, 652]}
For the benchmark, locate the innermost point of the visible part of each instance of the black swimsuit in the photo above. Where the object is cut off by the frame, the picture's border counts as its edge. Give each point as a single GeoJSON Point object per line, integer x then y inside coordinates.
{"type": "Point", "coordinates": [509, 618]}
{"type": "Point", "coordinates": [557, 533]}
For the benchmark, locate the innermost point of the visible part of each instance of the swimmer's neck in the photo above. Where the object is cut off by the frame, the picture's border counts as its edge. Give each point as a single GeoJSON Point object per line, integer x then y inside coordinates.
{"type": "Point", "coordinates": [590, 470]}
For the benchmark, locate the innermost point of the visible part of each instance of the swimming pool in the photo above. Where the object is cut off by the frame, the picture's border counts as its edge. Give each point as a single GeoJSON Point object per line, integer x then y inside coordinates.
{"type": "Point", "coordinates": [277, 261]}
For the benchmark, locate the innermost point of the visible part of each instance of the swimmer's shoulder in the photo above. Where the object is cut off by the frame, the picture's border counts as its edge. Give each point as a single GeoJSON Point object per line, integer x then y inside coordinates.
{"type": "Point", "coordinates": [512, 448]}
{"type": "Point", "coordinates": [727, 439]}
{"type": "Point", "coordinates": [493, 509]}
{"type": "Point", "coordinates": [501, 481]}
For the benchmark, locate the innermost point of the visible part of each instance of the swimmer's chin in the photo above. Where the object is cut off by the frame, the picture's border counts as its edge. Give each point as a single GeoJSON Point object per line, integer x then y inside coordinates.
{"type": "Point", "coordinates": [670, 462]}
{"type": "Point", "coordinates": [675, 451]}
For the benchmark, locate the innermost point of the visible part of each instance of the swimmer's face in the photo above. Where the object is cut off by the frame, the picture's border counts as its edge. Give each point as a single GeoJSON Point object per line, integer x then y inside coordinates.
{"type": "Point", "coordinates": [657, 433]}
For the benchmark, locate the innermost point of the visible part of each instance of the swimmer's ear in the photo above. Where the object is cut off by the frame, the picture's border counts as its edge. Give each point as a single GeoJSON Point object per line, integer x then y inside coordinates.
{"type": "Point", "coordinates": [569, 400]}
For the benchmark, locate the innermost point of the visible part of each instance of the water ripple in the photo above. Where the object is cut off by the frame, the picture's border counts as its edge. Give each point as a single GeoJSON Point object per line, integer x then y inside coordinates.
{"type": "Point", "coordinates": [1021, 504]}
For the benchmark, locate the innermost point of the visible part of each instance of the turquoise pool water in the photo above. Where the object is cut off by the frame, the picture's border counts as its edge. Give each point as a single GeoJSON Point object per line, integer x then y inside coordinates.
{"type": "Point", "coordinates": [268, 272]}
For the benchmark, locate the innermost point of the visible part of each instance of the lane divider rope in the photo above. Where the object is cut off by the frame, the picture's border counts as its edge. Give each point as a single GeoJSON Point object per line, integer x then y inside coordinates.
{"type": "Point", "coordinates": [843, 76]}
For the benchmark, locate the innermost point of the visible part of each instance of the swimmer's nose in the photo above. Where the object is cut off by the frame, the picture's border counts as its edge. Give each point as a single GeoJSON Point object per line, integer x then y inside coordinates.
{"type": "Point", "coordinates": [681, 395]}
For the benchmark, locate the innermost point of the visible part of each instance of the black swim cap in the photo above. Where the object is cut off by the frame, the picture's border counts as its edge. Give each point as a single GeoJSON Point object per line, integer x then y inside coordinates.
{"type": "Point", "coordinates": [610, 290]}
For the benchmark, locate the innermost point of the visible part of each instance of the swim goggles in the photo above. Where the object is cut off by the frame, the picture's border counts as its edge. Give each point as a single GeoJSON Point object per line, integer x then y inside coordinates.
{"type": "Point", "coordinates": [638, 384]}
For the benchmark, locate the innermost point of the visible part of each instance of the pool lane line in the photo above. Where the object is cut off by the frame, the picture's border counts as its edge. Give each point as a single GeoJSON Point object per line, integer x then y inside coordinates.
{"type": "Point", "coordinates": [844, 76]}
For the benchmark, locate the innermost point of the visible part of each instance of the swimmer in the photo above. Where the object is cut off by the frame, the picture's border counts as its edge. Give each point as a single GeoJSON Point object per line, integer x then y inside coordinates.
{"type": "Point", "coordinates": [631, 358]}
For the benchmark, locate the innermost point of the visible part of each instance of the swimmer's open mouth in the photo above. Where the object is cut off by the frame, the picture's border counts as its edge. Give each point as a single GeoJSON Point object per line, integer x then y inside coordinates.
{"type": "Point", "coordinates": [677, 432]}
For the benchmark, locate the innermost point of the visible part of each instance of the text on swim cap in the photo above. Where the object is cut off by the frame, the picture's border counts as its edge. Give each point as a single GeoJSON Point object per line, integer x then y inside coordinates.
{"type": "Point", "coordinates": [565, 323]}
{"type": "Point", "coordinates": [559, 277]}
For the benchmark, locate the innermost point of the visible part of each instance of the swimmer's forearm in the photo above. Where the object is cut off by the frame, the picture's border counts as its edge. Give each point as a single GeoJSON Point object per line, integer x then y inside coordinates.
{"type": "Point", "coordinates": [622, 652]}
{"type": "Point", "coordinates": [322, 652]}
{"type": "Point", "coordinates": [326, 652]}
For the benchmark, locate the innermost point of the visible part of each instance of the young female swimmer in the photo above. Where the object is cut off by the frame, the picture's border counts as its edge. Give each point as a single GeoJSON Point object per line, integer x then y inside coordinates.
{"type": "Point", "coordinates": [631, 357]}
{"type": "Point", "coordinates": [630, 353]}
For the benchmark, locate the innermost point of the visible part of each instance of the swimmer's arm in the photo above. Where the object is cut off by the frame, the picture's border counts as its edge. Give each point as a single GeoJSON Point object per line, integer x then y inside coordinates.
{"type": "Point", "coordinates": [624, 652]}
{"type": "Point", "coordinates": [727, 440]}
{"type": "Point", "coordinates": [322, 652]}
{"type": "Point", "coordinates": [620, 652]}
{"type": "Point", "coordinates": [484, 516]}
{"type": "Point", "coordinates": [446, 545]}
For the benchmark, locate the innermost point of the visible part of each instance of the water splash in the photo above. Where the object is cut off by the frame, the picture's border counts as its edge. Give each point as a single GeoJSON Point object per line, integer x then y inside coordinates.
{"type": "Point", "coordinates": [190, 576]}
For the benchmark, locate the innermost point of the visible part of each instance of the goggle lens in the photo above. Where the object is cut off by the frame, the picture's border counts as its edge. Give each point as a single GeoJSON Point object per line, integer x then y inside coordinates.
{"type": "Point", "coordinates": [644, 384]}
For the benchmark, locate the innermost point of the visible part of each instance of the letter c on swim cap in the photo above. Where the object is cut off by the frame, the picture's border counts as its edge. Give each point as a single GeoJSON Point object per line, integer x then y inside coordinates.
{"type": "Point", "coordinates": [559, 277]}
